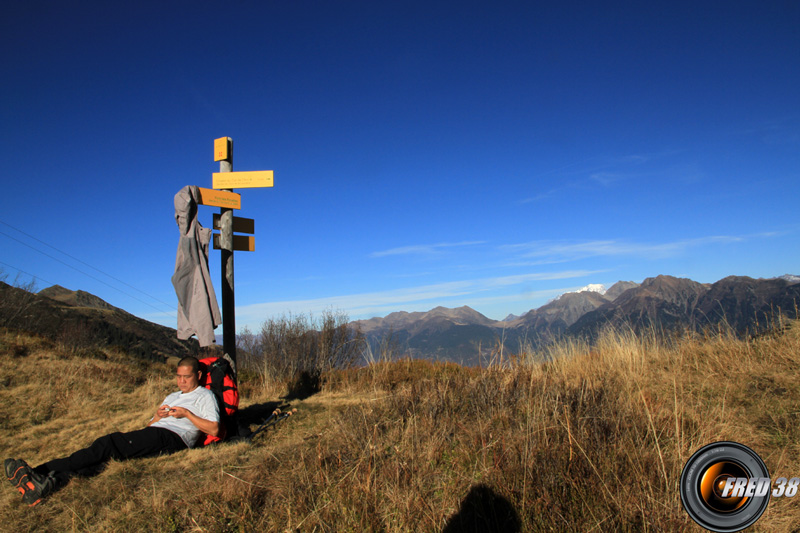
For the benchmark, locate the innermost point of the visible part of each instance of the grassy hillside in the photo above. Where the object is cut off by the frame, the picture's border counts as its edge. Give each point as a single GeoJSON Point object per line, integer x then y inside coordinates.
{"type": "Point", "coordinates": [590, 440]}
{"type": "Point", "coordinates": [82, 321]}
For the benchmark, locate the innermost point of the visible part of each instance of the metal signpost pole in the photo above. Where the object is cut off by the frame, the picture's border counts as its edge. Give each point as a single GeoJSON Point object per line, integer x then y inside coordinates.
{"type": "Point", "coordinates": [226, 252]}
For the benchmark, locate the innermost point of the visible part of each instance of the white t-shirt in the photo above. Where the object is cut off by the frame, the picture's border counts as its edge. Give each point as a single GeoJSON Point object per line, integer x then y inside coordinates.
{"type": "Point", "coordinates": [201, 402]}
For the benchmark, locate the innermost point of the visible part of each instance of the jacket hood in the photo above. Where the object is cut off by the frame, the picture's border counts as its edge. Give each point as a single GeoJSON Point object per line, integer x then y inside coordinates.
{"type": "Point", "coordinates": [186, 207]}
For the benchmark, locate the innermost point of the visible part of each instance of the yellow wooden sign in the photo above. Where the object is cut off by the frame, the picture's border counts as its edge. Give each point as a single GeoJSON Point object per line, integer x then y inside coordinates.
{"type": "Point", "coordinates": [221, 152]}
{"type": "Point", "coordinates": [231, 200]}
{"type": "Point", "coordinates": [242, 180]}
{"type": "Point", "coordinates": [241, 243]}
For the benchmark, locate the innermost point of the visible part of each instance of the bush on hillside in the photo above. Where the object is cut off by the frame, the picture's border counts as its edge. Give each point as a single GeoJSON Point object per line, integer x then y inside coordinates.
{"type": "Point", "coordinates": [17, 309]}
{"type": "Point", "coordinates": [299, 349]}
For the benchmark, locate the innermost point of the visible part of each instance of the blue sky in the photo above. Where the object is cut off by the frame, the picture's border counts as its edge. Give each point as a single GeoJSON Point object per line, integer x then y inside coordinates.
{"type": "Point", "coordinates": [490, 154]}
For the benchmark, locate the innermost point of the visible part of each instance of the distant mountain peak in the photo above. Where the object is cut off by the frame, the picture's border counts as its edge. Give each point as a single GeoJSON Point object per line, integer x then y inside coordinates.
{"type": "Point", "coordinates": [599, 288]}
{"type": "Point", "coordinates": [75, 298]}
{"type": "Point", "coordinates": [593, 287]}
{"type": "Point", "coordinates": [618, 288]}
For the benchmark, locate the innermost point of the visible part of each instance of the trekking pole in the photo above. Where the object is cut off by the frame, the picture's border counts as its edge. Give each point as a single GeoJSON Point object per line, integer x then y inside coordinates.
{"type": "Point", "coordinates": [271, 422]}
{"type": "Point", "coordinates": [275, 413]}
{"type": "Point", "coordinates": [285, 415]}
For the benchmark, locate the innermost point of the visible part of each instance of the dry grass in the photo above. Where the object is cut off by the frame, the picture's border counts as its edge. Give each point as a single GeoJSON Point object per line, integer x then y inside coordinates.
{"type": "Point", "coordinates": [591, 439]}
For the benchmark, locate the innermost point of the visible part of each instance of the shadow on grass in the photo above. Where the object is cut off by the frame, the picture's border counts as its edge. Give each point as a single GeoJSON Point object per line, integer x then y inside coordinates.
{"type": "Point", "coordinates": [257, 413]}
{"type": "Point", "coordinates": [484, 511]}
{"type": "Point", "coordinates": [306, 384]}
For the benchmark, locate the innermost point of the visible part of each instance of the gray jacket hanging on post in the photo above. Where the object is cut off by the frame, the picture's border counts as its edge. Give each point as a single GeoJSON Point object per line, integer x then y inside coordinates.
{"type": "Point", "coordinates": [198, 312]}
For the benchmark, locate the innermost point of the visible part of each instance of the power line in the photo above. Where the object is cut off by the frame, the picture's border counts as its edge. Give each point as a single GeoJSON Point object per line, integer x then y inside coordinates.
{"type": "Point", "coordinates": [87, 264]}
{"type": "Point", "coordinates": [34, 276]}
{"type": "Point", "coordinates": [81, 271]}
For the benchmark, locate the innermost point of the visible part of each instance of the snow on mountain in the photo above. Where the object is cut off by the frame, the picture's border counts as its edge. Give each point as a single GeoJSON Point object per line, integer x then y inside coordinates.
{"type": "Point", "coordinates": [593, 287]}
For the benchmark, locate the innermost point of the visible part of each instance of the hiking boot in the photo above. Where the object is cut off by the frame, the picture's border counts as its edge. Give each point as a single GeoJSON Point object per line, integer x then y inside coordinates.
{"type": "Point", "coordinates": [15, 470]}
{"type": "Point", "coordinates": [35, 487]}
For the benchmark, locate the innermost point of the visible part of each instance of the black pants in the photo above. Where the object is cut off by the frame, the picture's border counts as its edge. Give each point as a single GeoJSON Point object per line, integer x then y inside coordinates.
{"type": "Point", "coordinates": [90, 461]}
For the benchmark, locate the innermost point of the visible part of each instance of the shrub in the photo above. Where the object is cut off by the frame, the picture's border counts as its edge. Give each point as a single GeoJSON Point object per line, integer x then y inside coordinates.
{"type": "Point", "coordinates": [298, 349]}
{"type": "Point", "coordinates": [17, 303]}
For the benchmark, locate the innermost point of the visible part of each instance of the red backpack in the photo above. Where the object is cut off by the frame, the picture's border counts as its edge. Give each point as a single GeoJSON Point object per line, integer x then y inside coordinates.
{"type": "Point", "coordinates": [218, 377]}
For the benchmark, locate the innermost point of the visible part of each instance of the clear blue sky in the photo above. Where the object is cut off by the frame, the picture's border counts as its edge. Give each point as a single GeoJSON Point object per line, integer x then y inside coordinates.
{"type": "Point", "coordinates": [490, 154]}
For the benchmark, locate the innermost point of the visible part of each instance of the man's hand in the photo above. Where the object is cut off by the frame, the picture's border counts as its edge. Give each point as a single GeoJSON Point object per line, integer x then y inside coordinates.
{"type": "Point", "coordinates": [206, 426]}
{"type": "Point", "coordinates": [178, 412]}
{"type": "Point", "coordinates": [161, 412]}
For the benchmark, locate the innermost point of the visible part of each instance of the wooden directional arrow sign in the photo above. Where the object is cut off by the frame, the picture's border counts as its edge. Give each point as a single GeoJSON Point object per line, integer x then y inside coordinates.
{"type": "Point", "coordinates": [241, 243]}
{"type": "Point", "coordinates": [230, 200]}
{"type": "Point", "coordinates": [242, 180]}
{"type": "Point", "coordinates": [240, 225]}
{"type": "Point", "coordinates": [222, 148]}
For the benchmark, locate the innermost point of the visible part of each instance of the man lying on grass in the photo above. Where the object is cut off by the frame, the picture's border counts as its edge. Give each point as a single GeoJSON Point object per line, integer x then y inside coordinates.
{"type": "Point", "coordinates": [178, 424]}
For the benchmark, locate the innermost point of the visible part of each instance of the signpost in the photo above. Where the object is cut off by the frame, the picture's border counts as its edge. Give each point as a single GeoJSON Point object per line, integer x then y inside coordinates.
{"type": "Point", "coordinates": [231, 200]}
{"type": "Point", "coordinates": [242, 180]}
{"type": "Point", "coordinates": [240, 225]}
{"type": "Point", "coordinates": [241, 243]}
{"type": "Point", "coordinates": [223, 197]}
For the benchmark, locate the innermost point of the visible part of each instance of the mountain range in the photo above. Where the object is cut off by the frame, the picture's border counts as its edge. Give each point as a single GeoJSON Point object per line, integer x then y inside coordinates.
{"type": "Point", "coordinates": [465, 336]}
